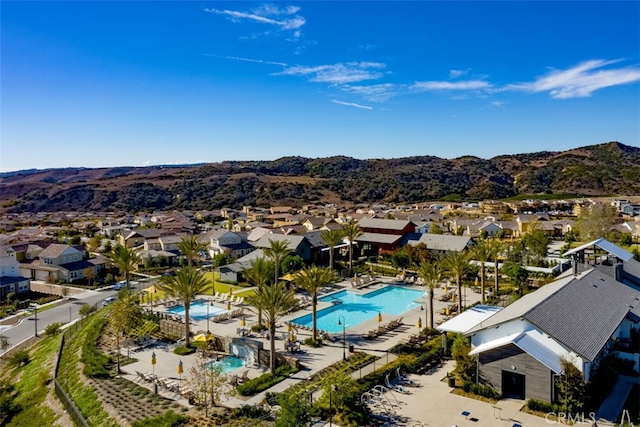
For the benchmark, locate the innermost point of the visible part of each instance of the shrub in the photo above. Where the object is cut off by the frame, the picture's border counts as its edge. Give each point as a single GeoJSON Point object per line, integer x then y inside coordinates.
{"type": "Point", "coordinates": [249, 411]}
{"type": "Point", "coordinates": [265, 381]}
{"type": "Point", "coordinates": [540, 406]}
{"type": "Point", "coordinates": [272, 398]}
{"type": "Point", "coordinates": [20, 358]}
{"type": "Point", "coordinates": [183, 350]}
{"type": "Point", "coordinates": [313, 343]}
{"type": "Point", "coordinates": [52, 329]}
{"type": "Point", "coordinates": [481, 390]}
{"type": "Point", "coordinates": [168, 419]}
{"type": "Point", "coordinates": [95, 363]}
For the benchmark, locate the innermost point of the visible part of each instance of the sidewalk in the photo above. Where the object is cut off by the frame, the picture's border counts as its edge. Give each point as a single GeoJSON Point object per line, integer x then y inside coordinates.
{"type": "Point", "coordinates": [613, 405]}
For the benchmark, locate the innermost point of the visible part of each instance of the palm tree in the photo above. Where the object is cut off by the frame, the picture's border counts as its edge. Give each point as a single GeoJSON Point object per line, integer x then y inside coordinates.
{"type": "Point", "coordinates": [259, 275]}
{"type": "Point", "coordinates": [496, 247]}
{"type": "Point", "coordinates": [431, 275]}
{"type": "Point", "coordinates": [186, 285]}
{"type": "Point", "coordinates": [481, 252]}
{"type": "Point", "coordinates": [351, 231]}
{"type": "Point", "coordinates": [127, 261]}
{"type": "Point", "coordinates": [332, 238]}
{"type": "Point", "coordinates": [190, 247]}
{"type": "Point", "coordinates": [456, 263]}
{"type": "Point", "coordinates": [277, 250]}
{"type": "Point", "coordinates": [313, 280]}
{"type": "Point", "coordinates": [274, 302]}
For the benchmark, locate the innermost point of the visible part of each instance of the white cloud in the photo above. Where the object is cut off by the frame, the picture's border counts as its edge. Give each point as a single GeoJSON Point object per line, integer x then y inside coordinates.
{"type": "Point", "coordinates": [445, 85]}
{"type": "Point", "coordinates": [337, 73]}
{"type": "Point", "coordinates": [454, 74]}
{"type": "Point", "coordinates": [373, 93]}
{"type": "Point", "coordinates": [284, 18]}
{"type": "Point", "coordinates": [351, 104]}
{"type": "Point", "coordinates": [581, 80]}
{"type": "Point", "coordinates": [499, 104]}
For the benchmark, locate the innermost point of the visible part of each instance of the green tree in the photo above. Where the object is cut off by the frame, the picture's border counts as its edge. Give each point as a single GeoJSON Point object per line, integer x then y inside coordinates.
{"type": "Point", "coordinates": [351, 230]}
{"type": "Point", "coordinates": [625, 239]}
{"type": "Point", "coordinates": [191, 248]}
{"type": "Point", "coordinates": [276, 251]}
{"type": "Point", "coordinates": [186, 285]}
{"type": "Point", "coordinates": [517, 273]}
{"type": "Point", "coordinates": [496, 249]}
{"type": "Point", "coordinates": [291, 262]}
{"type": "Point", "coordinates": [536, 242]}
{"type": "Point", "coordinates": [86, 309]}
{"type": "Point", "coordinates": [126, 260]}
{"type": "Point", "coordinates": [570, 387]}
{"type": "Point", "coordinates": [596, 221]}
{"type": "Point", "coordinates": [465, 364]}
{"type": "Point", "coordinates": [94, 243]}
{"type": "Point", "coordinates": [400, 259]}
{"type": "Point", "coordinates": [259, 275]}
{"type": "Point", "coordinates": [456, 264]}
{"type": "Point", "coordinates": [313, 280]}
{"type": "Point", "coordinates": [431, 275]}
{"type": "Point", "coordinates": [434, 228]}
{"type": "Point", "coordinates": [125, 315]}
{"type": "Point", "coordinates": [295, 410]}
{"type": "Point", "coordinates": [274, 301]}
{"type": "Point", "coordinates": [481, 252]}
{"type": "Point", "coordinates": [331, 238]}
{"type": "Point", "coordinates": [220, 259]}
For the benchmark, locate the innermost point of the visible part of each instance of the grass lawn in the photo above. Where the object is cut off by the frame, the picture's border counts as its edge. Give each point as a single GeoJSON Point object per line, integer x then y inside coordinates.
{"type": "Point", "coordinates": [33, 384]}
{"type": "Point", "coordinates": [215, 286]}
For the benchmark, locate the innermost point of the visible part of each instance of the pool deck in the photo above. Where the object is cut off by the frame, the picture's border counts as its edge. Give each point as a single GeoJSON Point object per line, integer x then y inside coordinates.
{"type": "Point", "coordinates": [314, 359]}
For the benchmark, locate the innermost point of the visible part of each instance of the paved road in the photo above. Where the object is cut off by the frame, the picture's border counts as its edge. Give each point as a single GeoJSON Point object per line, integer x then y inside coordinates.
{"type": "Point", "coordinates": [65, 312]}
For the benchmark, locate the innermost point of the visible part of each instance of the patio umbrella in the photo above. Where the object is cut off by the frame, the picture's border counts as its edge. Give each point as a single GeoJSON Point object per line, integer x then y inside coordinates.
{"type": "Point", "coordinates": [230, 292]}
{"type": "Point", "coordinates": [228, 305]}
{"type": "Point", "coordinates": [476, 282]}
{"type": "Point", "coordinates": [288, 327]}
{"type": "Point", "coordinates": [419, 322]}
{"type": "Point", "coordinates": [379, 317]}
{"type": "Point", "coordinates": [242, 322]}
{"type": "Point", "coordinates": [151, 289]}
{"type": "Point", "coordinates": [153, 362]}
{"type": "Point", "coordinates": [203, 337]}
{"type": "Point", "coordinates": [180, 369]}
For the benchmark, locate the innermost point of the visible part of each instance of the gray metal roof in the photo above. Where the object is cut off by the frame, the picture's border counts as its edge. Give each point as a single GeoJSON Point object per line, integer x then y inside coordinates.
{"type": "Point", "coordinates": [585, 313]}
{"type": "Point", "coordinates": [444, 242]}
{"type": "Point", "coordinates": [388, 239]}
{"type": "Point", "coordinates": [605, 245]}
{"type": "Point", "coordinates": [581, 312]}
{"type": "Point", "coordinates": [387, 224]}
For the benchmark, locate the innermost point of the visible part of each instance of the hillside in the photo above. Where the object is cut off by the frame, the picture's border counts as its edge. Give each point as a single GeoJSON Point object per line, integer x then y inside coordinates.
{"type": "Point", "coordinates": [604, 169]}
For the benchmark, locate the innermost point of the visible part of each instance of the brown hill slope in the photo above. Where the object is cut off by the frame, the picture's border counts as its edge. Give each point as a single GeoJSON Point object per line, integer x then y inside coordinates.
{"type": "Point", "coordinates": [610, 168]}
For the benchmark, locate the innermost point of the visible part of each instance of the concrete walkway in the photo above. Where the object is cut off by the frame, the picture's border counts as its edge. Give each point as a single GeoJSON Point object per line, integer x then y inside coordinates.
{"type": "Point", "coordinates": [613, 405]}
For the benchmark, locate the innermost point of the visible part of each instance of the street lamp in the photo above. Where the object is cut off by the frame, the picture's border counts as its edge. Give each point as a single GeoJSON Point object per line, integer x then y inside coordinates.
{"type": "Point", "coordinates": [210, 303]}
{"type": "Point", "coordinates": [331, 388]}
{"type": "Point", "coordinates": [341, 321]}
{"type": "Point", "coordinates": [35, 311]}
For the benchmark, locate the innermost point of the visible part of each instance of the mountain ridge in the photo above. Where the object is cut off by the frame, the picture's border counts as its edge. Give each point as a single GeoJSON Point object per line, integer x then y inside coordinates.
{"type": "Point", "coordinates": [609, 168]}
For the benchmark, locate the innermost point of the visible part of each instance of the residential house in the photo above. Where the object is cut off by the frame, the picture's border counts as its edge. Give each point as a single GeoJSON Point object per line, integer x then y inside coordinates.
{"type": "Point", "coordinates": [61, 262]}
{"type": "Point", "coordinates": [381, 236]}
{"type": "Point", "coordinates": [296, 244]}
{"type": "Point", "coordinates": [439, 244]}
{"type": "Point", "coordinates": [577, 318]}
{"type": "Point", "coordinates": [10, 280]}
{"type": "Point", "coordinates": [227, 242]}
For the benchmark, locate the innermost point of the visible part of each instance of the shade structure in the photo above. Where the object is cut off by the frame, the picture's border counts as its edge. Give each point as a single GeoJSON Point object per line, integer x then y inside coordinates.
{"type": "Point", "coordinates": [203, 337]}
{"type": "Point", "coordinates": [151, 289]}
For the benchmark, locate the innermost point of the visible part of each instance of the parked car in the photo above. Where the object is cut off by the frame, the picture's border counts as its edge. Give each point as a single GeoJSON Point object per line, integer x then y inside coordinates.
{"type": "Point", "coordinates": [120, 285]}
{"type": "Point", "coordinates": [108, 301]}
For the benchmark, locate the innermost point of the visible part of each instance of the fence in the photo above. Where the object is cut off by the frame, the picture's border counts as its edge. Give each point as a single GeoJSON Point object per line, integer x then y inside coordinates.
{"type": "Point", "coordinates": [67, 401]}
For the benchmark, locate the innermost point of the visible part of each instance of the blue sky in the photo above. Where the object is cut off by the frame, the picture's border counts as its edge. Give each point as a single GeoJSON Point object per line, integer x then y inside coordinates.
{"type": "Point", "coordinates": [97, 84]}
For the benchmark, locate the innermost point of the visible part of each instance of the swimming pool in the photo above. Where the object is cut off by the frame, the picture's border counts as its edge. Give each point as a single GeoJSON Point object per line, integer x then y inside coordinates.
{"type": "Point", "coordinates": [227, 363]}
{"type": "Point", "coordinates": [356, 308]}
{"type": "Point", "coordinates": [197, 310]}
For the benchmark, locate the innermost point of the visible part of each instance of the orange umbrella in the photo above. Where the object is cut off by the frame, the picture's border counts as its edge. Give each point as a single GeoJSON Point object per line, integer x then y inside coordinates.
{"type": "Point", "coordinates": [180, 369]}
{"type": "Point", "coordinates": [419, 322]}
{"type": "Point", "coordinates": [242, 322]}
{"type": "Point", "coordinates": [228, 305]}
{"type": "Point", "coordinates": [153, 362]}
{"type": "Point", "coordinates": [379, 317]}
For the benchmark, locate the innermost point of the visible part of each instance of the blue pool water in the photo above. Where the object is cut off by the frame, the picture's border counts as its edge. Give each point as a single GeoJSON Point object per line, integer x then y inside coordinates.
{"type": "Point", "coordinates": [197, 310]}
{"type": "Point", "coordinates": [228, 363]}
{"type": "Point", "coordinates": [355, 308]}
